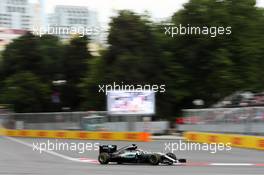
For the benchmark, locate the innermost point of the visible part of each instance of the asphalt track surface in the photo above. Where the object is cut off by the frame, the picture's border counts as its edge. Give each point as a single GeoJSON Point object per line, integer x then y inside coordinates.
{"type": "Point", "coordinates": [18, 158]}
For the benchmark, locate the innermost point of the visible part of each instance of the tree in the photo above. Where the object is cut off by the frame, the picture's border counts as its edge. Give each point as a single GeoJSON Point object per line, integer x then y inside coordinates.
{"type": "Point", "coordinates": [75, 67]}
{"type": "Point", "coordinates": [51, 50]}
{"type": "Point", "coordinates": [22, 55]}
{"type": "Point", "coordinates": [92, 99]}
{"type": "Point", "coordinates": [40, 56]}
{"type": "Point", "coordinates": [219, 66]}
{"type": "Point", "coordinates": [26, 93]}
{"type": "Point", "coordinates": [133, 50]}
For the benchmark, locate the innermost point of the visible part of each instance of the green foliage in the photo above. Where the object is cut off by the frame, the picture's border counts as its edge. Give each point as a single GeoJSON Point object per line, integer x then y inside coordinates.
{"type": "Point", "coordinates": [75, 66]}
{"type": "Point", "coordinates": [52, 52]}
{"type": "Point", "coordinates": [225, 64]}
{"type": "Point", "coordinates": [25, 92]}
{"type": "Point", "coordinates": [133, 50]}
{"type": "Point", "coordinates": [92, 99]}
{"type": "Point", "coordinates": [21, 55]}
{"type": "Point", "coordinates": [42, 60]}
{"type": "Point", "coordinates": [76, 57]}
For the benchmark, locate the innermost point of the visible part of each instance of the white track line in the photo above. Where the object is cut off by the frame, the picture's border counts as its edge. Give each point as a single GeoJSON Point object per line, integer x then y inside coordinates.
{"type": "Point", "coordinates": [49, 152]}
{"type": "Point", "coordinates": [232, 164]}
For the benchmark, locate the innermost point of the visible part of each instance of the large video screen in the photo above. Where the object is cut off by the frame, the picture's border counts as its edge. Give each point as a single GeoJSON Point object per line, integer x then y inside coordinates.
{"type": "Point", "coordinates": [131, 102]}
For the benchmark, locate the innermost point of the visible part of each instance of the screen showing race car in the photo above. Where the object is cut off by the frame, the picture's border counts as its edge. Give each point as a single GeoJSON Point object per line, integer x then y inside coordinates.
{"type": "Point", "coordinates": [131, 102]}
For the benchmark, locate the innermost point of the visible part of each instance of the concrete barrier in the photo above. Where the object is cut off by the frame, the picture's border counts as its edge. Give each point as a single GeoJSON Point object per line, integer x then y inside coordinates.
{"type": "Point", "coordinates": [85, 135]}
{"type": "Point", "coordinates": [241, 141]}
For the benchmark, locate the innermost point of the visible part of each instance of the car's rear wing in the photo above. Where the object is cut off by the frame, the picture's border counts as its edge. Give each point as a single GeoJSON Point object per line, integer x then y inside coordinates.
{"type": "Point", "coordinates": [107, 148]}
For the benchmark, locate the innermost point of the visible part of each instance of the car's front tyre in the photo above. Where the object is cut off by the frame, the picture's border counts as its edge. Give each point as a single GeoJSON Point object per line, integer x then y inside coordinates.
{"type": "Point", "coordinates": [154, 159]}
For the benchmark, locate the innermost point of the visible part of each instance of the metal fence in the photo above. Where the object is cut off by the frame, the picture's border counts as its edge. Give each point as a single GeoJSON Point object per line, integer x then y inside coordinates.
{"type": "Point", "coordinates": [246, 120]}
{"type": "Point", "coordinates": [90, 121]}
{"type": "Point", "coordinates": [52, 120]}
{"type": "Point", "coordinates": [224, 115]}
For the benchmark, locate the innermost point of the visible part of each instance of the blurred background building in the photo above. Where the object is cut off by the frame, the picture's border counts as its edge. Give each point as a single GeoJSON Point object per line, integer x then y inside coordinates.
{"type": "Point", "coordinates": [17, 17]}
{"type": "Point", "coordinates": [17, 14]}
{"type": "Point", "coordinates": [73, 16]}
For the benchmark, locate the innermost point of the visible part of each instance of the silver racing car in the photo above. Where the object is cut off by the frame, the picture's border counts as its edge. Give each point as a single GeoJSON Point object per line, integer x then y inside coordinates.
{"type": "Point", "coordinates": [131, 154]}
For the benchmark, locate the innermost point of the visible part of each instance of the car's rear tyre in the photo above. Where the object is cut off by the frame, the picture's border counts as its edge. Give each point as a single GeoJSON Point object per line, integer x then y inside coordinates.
{"type": "Point", "coordinates": [103, 158]}
{"type": "Point", "coordinates": [154, 159]}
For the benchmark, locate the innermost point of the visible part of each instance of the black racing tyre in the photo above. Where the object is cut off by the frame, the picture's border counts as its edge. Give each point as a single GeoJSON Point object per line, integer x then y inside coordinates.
{"type": "Point", "coordinates": [154, 159]}
{"type": "Point", "coordinates": [171, 155]}
{"type": "Point", "coordinates": [103, 158]}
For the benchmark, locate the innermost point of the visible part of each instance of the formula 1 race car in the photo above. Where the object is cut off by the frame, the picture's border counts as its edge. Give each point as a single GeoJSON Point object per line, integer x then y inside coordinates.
{"type": "Point", "coordinates": [131, 154]}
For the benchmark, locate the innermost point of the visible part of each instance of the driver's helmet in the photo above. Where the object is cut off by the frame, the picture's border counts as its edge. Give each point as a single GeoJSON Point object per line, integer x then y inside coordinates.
{"type": "Point", "coordinates": [132, 147]}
